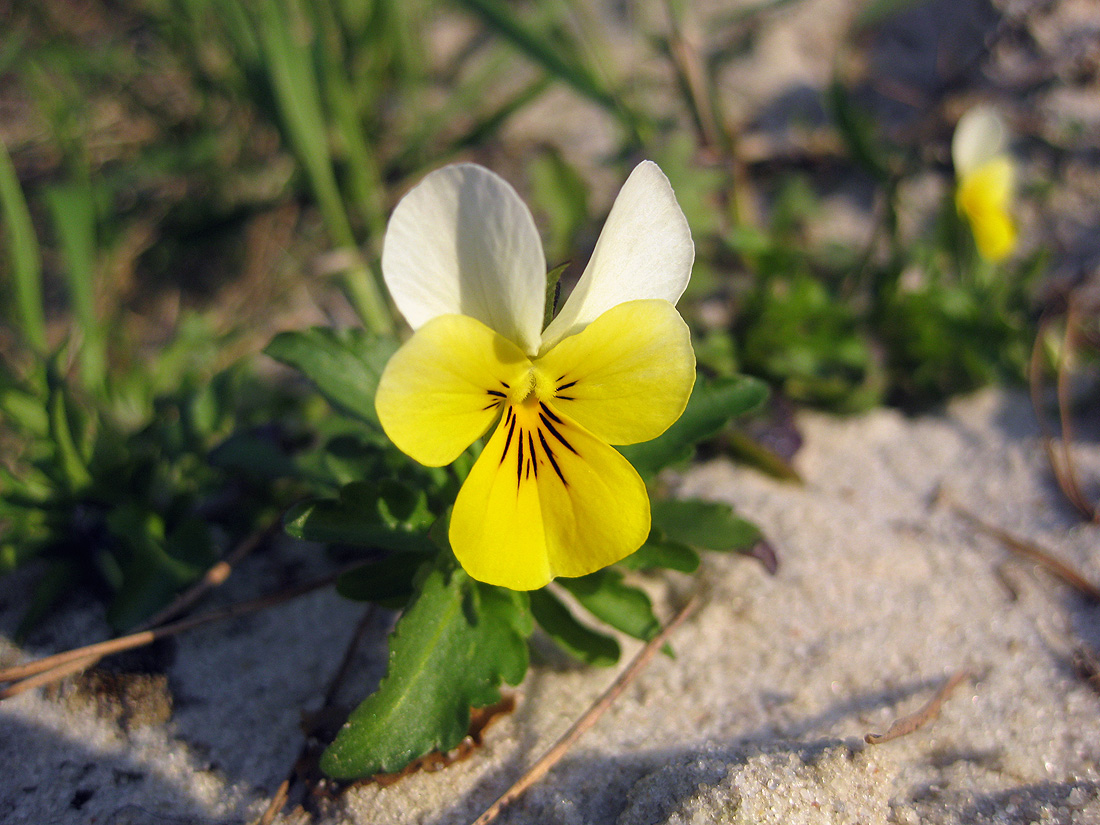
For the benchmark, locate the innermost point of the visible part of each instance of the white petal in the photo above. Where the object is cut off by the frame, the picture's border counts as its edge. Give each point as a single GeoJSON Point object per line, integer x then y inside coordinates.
{"type": "Point", "coordinates": [462, 242]}
{"type": "Point", "coordinates": [644, 251]}
{"type": "Point", "coordinates": [979, 137]}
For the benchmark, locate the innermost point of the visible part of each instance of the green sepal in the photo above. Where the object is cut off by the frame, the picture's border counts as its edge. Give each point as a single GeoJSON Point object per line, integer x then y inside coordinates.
{"type": "Point", "coordinates": [576, 639]}
{"type": "Point", "coordinates": [384, 514]}
{"type": "Point", "coordinates": [450, 651]}
{"type": "Point", "coordinates": [711, 406]}
{"type": "Point", "coordinates": [625, 608]}
{"type": "Point", "coordinates": [345, 365]}
{"type": "Point", "coordinates": [553, 292]}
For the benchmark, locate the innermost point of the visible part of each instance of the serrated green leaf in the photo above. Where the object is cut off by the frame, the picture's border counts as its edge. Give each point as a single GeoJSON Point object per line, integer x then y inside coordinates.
{"type": "Point", "coordinates": [660, 552]}
{"type": "Point", "coordinates": [707, 525]}
{"type": "Point", "coordinates": [344, 365]}
{"type": "Point", "coordinates": [385, 514]}
{"type": "Point", "coordinates": [387, 582]}
{"type": "Point", "coordinates": [625, 608]}
{"type": "Point", "coordinates": [450, 651]}
{"type": "Point", "coordinates": [712, 404]}
{"type": "Point", "coordinates": [579, 641]}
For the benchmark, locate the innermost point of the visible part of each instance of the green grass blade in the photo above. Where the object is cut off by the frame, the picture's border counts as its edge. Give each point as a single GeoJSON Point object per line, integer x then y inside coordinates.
{"type": "Point", "coordinates": [286, 46]}
{"type": "Point", "coordinates": [73, 211]}
{"type": "Point", "coordinates": [363, 176]}
{"type": "Point", "coordinates": [499, 17]}
{"type": "Point", "coordinates": [26, 264]}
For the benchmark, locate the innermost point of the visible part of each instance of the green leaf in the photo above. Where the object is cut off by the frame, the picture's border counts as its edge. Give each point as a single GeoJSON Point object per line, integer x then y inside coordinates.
{"type": "Point", "coordinates": [24, 411]}
{"type": "Point", "coordinates": [72, 464]}
{"type": "Point", "coordinates": [857, 129]}
{"type": "Point", "coordinates": [450, 651]}
{"type": "Point", "coordinates": [387, 582]}
{"type": "Point", "coordinates": [384, 514]}
{"type": "Point", "coordinates": [344, 365]}
{"type": "Point", "coordinates": [660, 552]}
{"type": "Point", "coordinates": [706, 525]}
{"type": "Point", "coordinates": [73, 209]}
{"type": "Point", "coordinates": [712, 404]}
{"type": "Point", "coordinates": [288, 59]}
{"type": "Point", "coordinates": [59, 578]}
{"type": "Point", "coordinates": [625, 608]}
{"type": "Point", "coordinates": [253, 455]}
{"type": "Point", "coordinates": [152, 568]}
{"type": "Point", "coordinates": [26, 262]}
{"type": "Point", "coordinates": [559, 192]}
{"type": "Point", "coordinates": [544, 51]}
{"type": "Point", "coordinates": [579, 641]}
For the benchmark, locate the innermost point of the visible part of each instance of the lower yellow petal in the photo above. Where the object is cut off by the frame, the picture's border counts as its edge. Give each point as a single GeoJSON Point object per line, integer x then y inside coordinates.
{"type": "Point", "coordinates": [994, 235]}
{"type": "Point", "coordinates": [546, 498]}
{"type": "Point", "coordinates": [442, 389]}
{"type": "Point", "coordinates": [626, 376]}
{"type": "Point", "coordinates": [984, 196]}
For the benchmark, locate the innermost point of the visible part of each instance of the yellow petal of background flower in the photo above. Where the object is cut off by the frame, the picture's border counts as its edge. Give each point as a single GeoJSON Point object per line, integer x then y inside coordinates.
{"type": "Point", "coordinates": [444, 387]}
{"type": "Point", "coordinates": [628, 375]}
{"type": "Point", "coordinates": [546, 498]}
{"type": "Point", "coordinates": [985, 196]}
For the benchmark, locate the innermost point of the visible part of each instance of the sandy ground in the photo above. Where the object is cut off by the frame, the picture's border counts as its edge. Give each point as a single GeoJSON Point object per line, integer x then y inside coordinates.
{"type": "Point", "coordinates": [881, 595]}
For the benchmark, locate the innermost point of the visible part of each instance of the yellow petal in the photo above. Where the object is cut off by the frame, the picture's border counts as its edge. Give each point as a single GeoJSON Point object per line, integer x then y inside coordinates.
{"type": "Point", "coordinates": [984, 196]}
{"type": "Point", "coordinates": [627, 376]}
{"type": "Point", "coordinates": [546, 498]}
{"type": "Point", "coordinates": [994, 234]}
{"type": "Point", "coordinates": [445, 386]}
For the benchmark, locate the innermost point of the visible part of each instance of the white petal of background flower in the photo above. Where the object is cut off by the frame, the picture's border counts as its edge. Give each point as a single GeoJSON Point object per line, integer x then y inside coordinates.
{"type": "Point", "coordinates": [979, 137]}
{"type": "Point", "coordinates": [462, 242]}
{"type": "Point", "coordinates": [644, 251]}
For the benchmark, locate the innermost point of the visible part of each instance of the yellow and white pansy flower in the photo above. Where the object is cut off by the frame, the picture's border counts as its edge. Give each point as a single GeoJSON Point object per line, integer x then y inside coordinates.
{"type": "Point", "coordinates": [548, 495]}
{"type": "Point", "coordinates": [985, 178]}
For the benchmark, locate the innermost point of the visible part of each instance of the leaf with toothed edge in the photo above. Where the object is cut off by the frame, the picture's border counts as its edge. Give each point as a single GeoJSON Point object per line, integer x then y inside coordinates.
{"type": "Point", "coordinates": [450, 651]}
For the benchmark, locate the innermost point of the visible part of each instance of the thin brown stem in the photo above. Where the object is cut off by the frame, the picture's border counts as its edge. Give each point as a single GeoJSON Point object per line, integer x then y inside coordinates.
{"type": "Point", "coordinates": [590, 717]}
{"type": "Point", "coordinates": [61, 664]}
{"type": "Point", "coordinates": [305, 766]}
{"type": "Point", "coordinates": [81, 658]}
{"type": "Point", "coordinates": [1062, 464]}
{"type": "Point", "coordinates": [914, 721]}
{"type": "Point", "coordinates": [213, 577]}
{"type": "Point", "coordinates": [1072, 488]}
{"type": "Point", "coordinates": [1032, 551]}
{"type": "Point", "coordinates": [276, 805]}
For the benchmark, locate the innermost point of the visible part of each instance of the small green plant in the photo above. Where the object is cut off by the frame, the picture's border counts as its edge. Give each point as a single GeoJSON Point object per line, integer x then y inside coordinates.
{"type": "Point", "coordinates": [105, 470]}
{"type": "Point", "coordinates": [467, 551]}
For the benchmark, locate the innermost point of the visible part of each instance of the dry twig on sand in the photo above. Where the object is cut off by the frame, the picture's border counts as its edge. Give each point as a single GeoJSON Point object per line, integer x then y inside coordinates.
{"type": "Point", "coordinates": [914, 721]}
{"type": "Point", "coordinates": [590, 717]}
